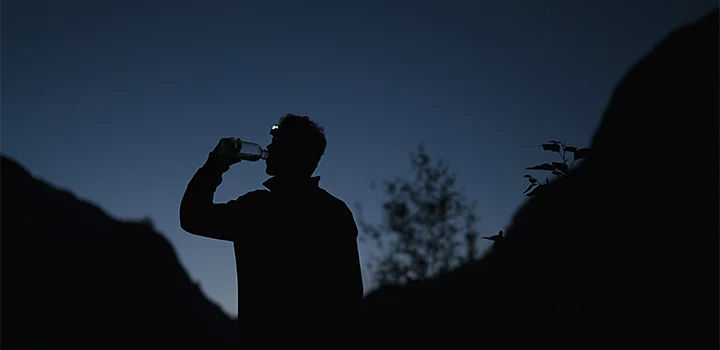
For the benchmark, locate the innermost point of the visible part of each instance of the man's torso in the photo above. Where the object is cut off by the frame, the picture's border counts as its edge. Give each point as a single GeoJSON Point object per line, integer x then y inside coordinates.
{"type": "Point", "coordinates": [283, 263]}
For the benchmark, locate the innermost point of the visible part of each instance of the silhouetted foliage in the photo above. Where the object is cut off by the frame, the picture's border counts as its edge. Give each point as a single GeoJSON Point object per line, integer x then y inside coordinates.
{"type": "Point", "coordinates": [561, 279]}
{"type": "Point", "coordinates": [496, 239]}
{"type": "Point", "coordinates": [556, 168]}
{"type": "Point", "coordinates": [426, 222]}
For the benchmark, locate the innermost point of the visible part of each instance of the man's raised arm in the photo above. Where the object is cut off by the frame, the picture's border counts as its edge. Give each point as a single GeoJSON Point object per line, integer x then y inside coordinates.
{"type": "Point", "coordinates": [199, 214]}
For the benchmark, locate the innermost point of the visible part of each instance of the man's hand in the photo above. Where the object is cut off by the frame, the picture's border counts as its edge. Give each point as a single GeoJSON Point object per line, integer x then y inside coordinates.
{"type": "Point", "coordinates": [226, 151]}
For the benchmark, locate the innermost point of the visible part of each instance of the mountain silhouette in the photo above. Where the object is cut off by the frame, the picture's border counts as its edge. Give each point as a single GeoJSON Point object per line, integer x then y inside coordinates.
{"type": "Point", "coordinates": [605, 269]}
{"type": "Point", "coordinates": [73, 277]}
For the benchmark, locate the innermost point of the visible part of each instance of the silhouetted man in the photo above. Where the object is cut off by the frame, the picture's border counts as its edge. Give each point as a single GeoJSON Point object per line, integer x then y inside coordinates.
{"type": "Point", "coordinates": [296, 253]}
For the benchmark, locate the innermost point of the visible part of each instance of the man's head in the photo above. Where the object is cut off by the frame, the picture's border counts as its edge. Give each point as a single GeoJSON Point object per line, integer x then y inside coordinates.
{"type": "Point", "coordinates": [297, 145]}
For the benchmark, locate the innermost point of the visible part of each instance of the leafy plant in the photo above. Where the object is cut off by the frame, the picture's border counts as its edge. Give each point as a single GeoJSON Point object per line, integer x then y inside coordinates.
{"type": "Point", "coordinates": [426, 222]}
{"type": "Point", "coordinates": [556, 168]}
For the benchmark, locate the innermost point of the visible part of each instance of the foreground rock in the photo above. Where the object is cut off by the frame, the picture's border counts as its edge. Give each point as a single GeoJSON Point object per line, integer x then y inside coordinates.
{"type": "Point", "coordinates": [609, 256]}
{"type": "Point", "coordinates": [73, 277]}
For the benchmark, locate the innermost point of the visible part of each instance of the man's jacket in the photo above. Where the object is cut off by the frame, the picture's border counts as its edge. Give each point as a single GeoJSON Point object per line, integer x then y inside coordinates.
{"type": "Point", "coordinates": [296, 255]}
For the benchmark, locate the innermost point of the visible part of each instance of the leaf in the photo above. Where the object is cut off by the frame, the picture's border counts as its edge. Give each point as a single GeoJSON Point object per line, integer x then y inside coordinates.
{"type": "Point", "coordinates": [570, 149]}
{"type": "Point", "coordinates": [562, 167]}
{"type": "Point", "coordinates": [582, 153]}
{"type": "Point", "coordinates": [530, 187]}
{"type": "Point", "coordinates": [528, 176]}
{"type": "Point", "coordinates": [557, 173]}
{"type": "Point", "coordinates": [551, 147]}
{"type": "Point", "coordinates": [532, 193]}
{"type": "Point", "coordinates": [544, 166]}
{"type": "Point", "coordinates": [532, 180]}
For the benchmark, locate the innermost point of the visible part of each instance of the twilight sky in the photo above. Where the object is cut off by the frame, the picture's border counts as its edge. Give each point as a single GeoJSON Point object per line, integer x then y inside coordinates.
{"type": "Point", "coordinates": [120, 101]}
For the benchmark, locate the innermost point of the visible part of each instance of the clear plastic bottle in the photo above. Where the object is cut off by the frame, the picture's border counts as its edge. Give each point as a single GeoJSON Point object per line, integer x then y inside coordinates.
{"type": "Point", "coordinates": [233, 146]}
{"type": "Point", "coordinates": [250, 151]}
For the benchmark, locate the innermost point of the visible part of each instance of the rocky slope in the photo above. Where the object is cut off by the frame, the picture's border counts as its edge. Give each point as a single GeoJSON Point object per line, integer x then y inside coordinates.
{"type": "Point", "coordinates": [613, 255]}
{"type": "Point", "coordinates": [73, 277]}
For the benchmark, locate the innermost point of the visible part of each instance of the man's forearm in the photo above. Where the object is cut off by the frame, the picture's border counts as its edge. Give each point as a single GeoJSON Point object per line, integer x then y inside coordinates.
{"type": "Point", "coordinates": [200, 193]}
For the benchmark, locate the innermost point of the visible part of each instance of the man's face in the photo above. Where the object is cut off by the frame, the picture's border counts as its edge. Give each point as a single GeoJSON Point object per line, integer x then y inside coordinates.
{"type": "Point", "coordinates": [280, 155]}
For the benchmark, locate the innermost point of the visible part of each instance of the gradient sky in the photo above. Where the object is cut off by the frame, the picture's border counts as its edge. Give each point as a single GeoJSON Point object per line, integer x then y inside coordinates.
{"type": "Point", "coordinates": [120, 101]}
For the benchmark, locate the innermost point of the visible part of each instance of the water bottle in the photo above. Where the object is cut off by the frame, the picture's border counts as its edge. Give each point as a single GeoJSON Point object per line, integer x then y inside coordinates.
{"type": "Point", "coordinates": [248, 151]}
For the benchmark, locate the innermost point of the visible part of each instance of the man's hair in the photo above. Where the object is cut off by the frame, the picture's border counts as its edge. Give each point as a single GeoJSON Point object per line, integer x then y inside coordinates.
{"type": "Point", "coordinates": [309, 134]}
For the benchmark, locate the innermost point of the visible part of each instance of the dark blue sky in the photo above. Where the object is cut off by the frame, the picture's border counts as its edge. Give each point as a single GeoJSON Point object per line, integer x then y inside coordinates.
{"type": "Point", "coordinates": [120, 101]}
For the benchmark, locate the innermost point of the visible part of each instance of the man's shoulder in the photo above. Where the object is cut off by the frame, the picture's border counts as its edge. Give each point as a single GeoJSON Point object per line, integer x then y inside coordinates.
{"type": "Point", "coordinates": [335, 202]}
{"type": "Point", "coordinates": [256, 194]}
